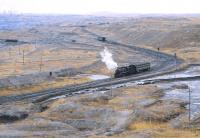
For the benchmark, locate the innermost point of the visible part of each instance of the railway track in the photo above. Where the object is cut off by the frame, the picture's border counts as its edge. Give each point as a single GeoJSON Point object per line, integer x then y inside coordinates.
{"type": "Point", "coordinates": [163, 80]}
{"type": "Point", "coordinates": [166, 64]}
{"type": "Point", "coordinates": [47, 98]}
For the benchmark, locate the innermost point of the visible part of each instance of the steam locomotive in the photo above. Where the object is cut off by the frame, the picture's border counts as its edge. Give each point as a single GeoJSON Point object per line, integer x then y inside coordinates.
{"type": "Point", "coordinates": [129, 69]}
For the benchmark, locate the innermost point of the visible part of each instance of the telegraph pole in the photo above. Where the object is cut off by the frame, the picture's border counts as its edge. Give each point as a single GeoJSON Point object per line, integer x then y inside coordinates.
{"type": "Point", "coordinates": [35, 44]}
{"type": "Point", "coordinates": [189, 114]}
{"type": "Point", "coordinates": [23, 56]}
{"type": "Point", "coordinates": [111, 94]}
{"type": "Point", "coordinates": [41, 63]}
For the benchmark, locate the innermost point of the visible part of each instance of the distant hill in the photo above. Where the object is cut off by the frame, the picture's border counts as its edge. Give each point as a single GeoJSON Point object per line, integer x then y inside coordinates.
{"type": "Point", "coordinates": [154, 31]}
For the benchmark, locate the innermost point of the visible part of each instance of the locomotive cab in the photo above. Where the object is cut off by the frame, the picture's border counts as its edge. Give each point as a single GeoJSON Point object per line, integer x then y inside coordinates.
{"type": "Point", "coordinates": [120, 72]}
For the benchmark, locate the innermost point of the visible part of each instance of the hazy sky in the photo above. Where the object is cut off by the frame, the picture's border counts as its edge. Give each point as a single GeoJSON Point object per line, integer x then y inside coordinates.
{"type": "Point", "coordinates": [96, 6]}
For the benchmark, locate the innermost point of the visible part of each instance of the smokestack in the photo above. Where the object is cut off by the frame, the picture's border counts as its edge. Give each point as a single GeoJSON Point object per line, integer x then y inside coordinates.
{"type": "Point", "coordinates": [106, 57]}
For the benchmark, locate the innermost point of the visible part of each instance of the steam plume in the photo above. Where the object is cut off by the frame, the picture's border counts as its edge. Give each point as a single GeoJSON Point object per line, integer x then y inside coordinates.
{"type": "Point", "coordinates": [106, 57]}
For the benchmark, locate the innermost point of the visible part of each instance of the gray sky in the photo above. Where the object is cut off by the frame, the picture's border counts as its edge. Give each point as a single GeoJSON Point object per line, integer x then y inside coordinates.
{"type": "Point", "coordinates": [96, 6]}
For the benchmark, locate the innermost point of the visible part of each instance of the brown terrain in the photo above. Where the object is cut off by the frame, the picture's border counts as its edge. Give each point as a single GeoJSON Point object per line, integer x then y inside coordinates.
{"type": "Point", "coordinates": [137, 111]}
{"type": "Point", "coordinates": [172, 35]}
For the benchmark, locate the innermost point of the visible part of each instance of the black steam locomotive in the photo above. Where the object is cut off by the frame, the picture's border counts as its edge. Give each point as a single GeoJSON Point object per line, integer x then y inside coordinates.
{"type": "Point", "coordinates": [129, 69]}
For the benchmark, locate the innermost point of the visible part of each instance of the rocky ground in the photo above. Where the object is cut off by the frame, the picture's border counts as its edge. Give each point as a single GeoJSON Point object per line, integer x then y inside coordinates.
{"type": "Point", "coordinates": [135, 111]}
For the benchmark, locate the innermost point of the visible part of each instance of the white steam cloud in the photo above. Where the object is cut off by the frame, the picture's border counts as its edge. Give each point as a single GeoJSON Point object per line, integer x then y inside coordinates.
{"type": "Point", "coordinates": [106, 57]}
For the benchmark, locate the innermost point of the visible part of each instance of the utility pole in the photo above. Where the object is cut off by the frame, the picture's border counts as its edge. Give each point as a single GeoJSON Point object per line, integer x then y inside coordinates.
{"type": "Point", "coordinates": [35, 44]}
{"type": "Point", "coordinates": [41, 63]}
{"type": "Point", "coordinates": [189, 114]}
{"type": "Point", "coordinates": [158, 54]}
{"type": "Point", "coordinates": [111, 92]}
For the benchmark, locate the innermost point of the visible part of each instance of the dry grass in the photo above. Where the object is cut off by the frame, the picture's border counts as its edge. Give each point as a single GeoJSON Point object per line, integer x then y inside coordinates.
{"type": "Point", "coordinates": [146, 125]}
{"type": "Point", "coordinates": [123, 98]}
{"type": "Point", "coordinates": [189, 54]}
{"type": "Point", "coordinates": [42, 59]}
{"type": "Point", "coordinates": [140, 128]}
{"type": "Point", "coordinates": [163, 130]}
{"type": "Point", "coordinates": [60, 82]}
{"type": "Point", "coordinates": [172, 36]}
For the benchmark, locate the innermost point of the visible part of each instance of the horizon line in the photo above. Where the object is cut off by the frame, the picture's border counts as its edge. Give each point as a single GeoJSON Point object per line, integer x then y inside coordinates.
{"type": "Point", "coordinates": [95, 13]}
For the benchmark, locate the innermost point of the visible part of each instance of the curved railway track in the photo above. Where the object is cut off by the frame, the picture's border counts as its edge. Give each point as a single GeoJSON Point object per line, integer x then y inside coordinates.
{"type": "Point", "coordinates": [165, 64]}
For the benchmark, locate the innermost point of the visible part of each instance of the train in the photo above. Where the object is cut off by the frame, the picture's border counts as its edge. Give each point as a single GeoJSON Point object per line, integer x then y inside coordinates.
{"type": "Point", "coordinates": [130, 69]}
{"type": "Point", "coordinates": [11, 40]}
{"type": "Point", "coordinates": [103, 39]}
